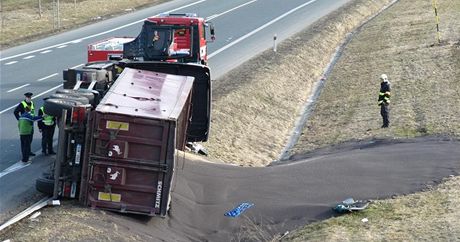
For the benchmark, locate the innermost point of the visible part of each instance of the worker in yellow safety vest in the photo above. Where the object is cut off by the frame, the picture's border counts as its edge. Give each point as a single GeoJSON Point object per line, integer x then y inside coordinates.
{"type": "Point", "coordinates": [46, 126]}
{"type": "Point", "coordinates": [21, 109]}
{"type": "Point", "coordinates": [26, 127]}
{"type": "Point", "coordinates": [384, 100]}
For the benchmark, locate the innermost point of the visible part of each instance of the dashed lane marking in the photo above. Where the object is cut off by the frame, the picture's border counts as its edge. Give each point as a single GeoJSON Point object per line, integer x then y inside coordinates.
{"type": "Point", "coordinates": [230, 10]}
{"type": "Point", "coordinates": [46, 77]}
{"type": "Point", "coordinates": [28, 57]}
{"type": "Point", "coordinates": [10, 63]}
{"type": "Point", "coordinates": [17, 88]}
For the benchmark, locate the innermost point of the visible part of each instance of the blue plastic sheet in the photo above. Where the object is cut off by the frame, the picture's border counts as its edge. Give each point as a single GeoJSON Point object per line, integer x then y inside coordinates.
{"type": "Point", "coordinates": [239, 210]}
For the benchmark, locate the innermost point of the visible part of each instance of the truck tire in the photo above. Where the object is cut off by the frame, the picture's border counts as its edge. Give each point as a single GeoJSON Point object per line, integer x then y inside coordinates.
{"type": "Point", "coordinates": [73, 97]}
{"type": "Point", "coordinates": [81, 92]}
{"type": "Point", "coordinates": [45, 185]}
{"type": "Point", "coordinates": [54, 106]}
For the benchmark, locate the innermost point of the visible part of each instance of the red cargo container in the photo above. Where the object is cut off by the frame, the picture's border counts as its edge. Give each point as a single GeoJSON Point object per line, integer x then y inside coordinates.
{"type": "Point", "coordinates": [135, 131]}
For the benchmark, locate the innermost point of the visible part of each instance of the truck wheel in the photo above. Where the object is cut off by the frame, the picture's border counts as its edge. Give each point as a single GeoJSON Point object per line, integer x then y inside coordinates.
{"type": "Point", "coordinates": [55, 106]}
{"type": "Point", "coordinates": [45, 185]}
{"type": "Point", "coordinates": [81, 92]}
{"type": "Point", "coordinates": [72, 97]}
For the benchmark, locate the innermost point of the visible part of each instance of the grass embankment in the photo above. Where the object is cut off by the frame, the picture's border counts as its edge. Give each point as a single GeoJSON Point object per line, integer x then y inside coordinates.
{"type": "Point", "coordinates": [256, 105]}
{"type": "Point", "coordinates": [426, 216]}
{"type": "Point", "coordinates": [21, 21]}
{"type": "Point", "coordinates": [426, 99]}
{"type": "Point", "coordinates": [425, 77]}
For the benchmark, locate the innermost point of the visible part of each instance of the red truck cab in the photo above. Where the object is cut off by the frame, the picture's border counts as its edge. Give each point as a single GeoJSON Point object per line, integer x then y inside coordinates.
{"type": "Point", "coordinates": [165, 37]}
{"type": "Point", "coordinates": [183, 37]}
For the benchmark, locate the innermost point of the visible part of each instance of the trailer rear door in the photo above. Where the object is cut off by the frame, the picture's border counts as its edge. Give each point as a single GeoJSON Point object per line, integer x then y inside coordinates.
{"type": "Point", "coordinates": [136, 130]}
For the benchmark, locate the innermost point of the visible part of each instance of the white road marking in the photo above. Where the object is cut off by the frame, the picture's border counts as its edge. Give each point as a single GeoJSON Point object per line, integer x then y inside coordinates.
{"type": "Point", "coordinates": [10, 63]}
{"type": "Point", "coordinates": [45, 92]}
{"type": "Point", "coordinates": [16, 166]}
{"type": "Point", "coordinates": [62, 46]}
{"type": "Point", "coordinates": [46, 77]}
{"type": "Point", "coordinates": [98, 34]}
{"type": "Point", "coordinates": [76, 41]}
{"type": "Point", "coordinates": [28, 57]}
{"type": "Point", "coordinates": [230, 10]}
{"type": "Point", "coordinates": [45, 51]}
{"type": "Point", "coordinates": [8, 109]}
{"type": "Point", "coordinates": [19, 165]}
{"type": "Point", "coordinates": [73, 67]}
{"type": "Point", "coordinates": [56, 87]}
{"type": "Point", "coordinates": [259, 29]}
{"type": "Point", "coordinates": [17, 88]}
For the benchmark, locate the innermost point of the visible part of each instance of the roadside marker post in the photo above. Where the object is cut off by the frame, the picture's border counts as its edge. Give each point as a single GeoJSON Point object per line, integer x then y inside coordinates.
{"type": "Point", "coordinates": [435, 7]}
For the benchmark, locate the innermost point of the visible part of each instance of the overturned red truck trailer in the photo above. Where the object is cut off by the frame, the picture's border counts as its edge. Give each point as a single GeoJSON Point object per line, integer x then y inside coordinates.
{"type": "Point", "coordinates": [134, 133]}
{"type": "Point", "coordinates": [119, 154]}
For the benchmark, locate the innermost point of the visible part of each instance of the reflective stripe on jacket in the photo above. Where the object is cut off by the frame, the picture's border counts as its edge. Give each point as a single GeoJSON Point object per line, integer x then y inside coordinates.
{"type": "Point", "coordinates": [384, 94]}
{"type": "Point", "coordinates": [32, 107]}
{"type": "Point", "coordinates": [48, 120]}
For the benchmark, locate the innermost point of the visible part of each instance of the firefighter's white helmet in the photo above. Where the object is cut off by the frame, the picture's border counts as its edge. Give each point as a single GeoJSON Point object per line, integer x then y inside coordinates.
{"type": "Point", "coordinates": [384, 77]}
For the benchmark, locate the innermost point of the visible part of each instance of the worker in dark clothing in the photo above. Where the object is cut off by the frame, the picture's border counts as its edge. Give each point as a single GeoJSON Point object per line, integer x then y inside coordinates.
{"type": "Point", "coordinates": [26, 126]}
{"type": "Point", "coordinates": [20, 109]}
{"type": "Point", "coordinates": [384, 100]}
{"type": "Point", "coordinates": [27, 102]}
{"type": "Point", "coordinates": [46, 126]}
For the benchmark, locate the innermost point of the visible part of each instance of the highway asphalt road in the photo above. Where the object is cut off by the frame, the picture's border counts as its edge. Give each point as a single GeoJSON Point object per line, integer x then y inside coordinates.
{"type": "Point", "coordinates": [292, 194]}
{"type": "Point", "coordinates": [244, 29]}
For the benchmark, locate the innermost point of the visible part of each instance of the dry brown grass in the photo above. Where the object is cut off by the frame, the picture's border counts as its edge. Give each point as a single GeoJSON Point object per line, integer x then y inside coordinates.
{"type": "Point", "coordinates": [71, 222]}
{"type": "Point", "coordinates": [425, 79]}
{"type": "Point", "coordinates": [21, 22]}
{"type": "Point", "coordinates": [256, 105]}
{"type": "Point", "coordinates": [426, 216]}
{"type": "Point", "coordinates": [426, 86]}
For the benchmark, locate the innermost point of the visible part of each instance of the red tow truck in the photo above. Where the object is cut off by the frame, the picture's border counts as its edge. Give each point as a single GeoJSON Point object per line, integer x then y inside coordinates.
{"type": "Point", "coordinates": [122, 120]}
{"type": "Point", "coordinates": [166, 37]}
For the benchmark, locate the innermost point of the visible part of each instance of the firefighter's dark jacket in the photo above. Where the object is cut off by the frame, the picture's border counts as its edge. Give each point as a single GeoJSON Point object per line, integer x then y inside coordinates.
{"type": "Point", "coordinates": [384, 95]}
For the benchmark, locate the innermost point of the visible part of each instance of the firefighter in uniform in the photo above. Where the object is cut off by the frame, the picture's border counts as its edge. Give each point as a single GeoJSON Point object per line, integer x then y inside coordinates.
{"type": "Point", "coordinates": [384, 100]}
{"type": "Point", "coordinates": [21, 109]}
{"type": "Point", "coordinates": [46, 126]}
{"type": "Point", "coordinates": [26, 130]}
